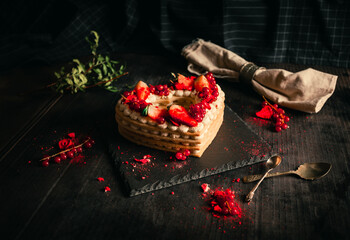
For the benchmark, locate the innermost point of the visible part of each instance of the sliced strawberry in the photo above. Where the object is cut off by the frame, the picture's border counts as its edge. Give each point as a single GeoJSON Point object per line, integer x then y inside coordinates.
{"type": "Point", "coordinates": [186, 82]}
{"type": "Point", "coordinates": [266, 112]}
{"type": "Point", "coordinates": [180, 115]}
{"type": "Point", "coordinates": [142, 90]}
{"type": "Point", "coordinates": [201, 82]}
{"type": "Point", "coordinates": [179, 86]}
{"type": "Point", "coordinates": [155, 112]}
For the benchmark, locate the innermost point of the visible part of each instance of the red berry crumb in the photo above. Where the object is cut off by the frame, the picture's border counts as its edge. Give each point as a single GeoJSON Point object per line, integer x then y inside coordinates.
{"type": "Point", "coordinates": [100, 179]}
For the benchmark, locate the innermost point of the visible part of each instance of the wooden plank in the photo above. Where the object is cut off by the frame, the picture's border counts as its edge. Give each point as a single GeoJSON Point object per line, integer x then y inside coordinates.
{"type": "Point", "coordinates": [66, 201]}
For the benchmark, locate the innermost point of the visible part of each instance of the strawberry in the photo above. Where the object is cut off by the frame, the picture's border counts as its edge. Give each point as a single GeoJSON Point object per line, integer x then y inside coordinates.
{"type": "Point", "coordinates": [156, 113]}
{"type": "Point", "coordinates": [142, 90]}
{"type": "Point", "coordinates": [180, 115]}
{"type": "Point", "coordinates": [201, 82]}
{"type": "Point", "coordinates": [179, 86]}
{"type": "Point", "coordinates": [185, 81]}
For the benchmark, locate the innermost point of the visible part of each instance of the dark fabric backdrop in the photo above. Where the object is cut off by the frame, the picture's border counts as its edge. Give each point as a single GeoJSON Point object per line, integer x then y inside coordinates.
{"type": "Point", "coordinates": [313, 32]}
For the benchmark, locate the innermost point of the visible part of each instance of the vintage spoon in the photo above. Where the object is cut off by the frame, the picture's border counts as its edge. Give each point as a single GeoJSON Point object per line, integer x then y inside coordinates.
{"type": "Point", "coordinates": [271, 163]}
{"type": "Point", "coordinates": [308, 171]}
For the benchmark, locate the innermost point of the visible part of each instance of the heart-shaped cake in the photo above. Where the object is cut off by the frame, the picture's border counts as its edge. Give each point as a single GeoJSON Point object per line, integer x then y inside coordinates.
{"type": "Point", "coordinates": [183, 114]}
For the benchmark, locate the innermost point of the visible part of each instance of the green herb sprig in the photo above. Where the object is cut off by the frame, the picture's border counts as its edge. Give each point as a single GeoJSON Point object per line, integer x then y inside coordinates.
{"type": "Point", "coordinates": [99, 71]}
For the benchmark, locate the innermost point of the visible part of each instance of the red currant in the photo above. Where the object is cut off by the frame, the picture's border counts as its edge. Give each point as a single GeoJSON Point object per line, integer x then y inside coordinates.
{"type": "Point", "coordinates": [187, 152]}
{"type": "Point", "coordinates": [88, 145]}
{"type": "Point", "coordinates": [284, 126]}
{"type": "Point", "coordinates": [160, 120]}
{"type": "Point", "coordinates": [278, 129]}
{"type": "Point", "coordinates": [45, 163]}
{"type": "Point", "coordinates": [179, 155]}
{"type": "Point", "coordinates": [275, 115]}
{"type": "Point", "coordinates": [127, 94]}
{"type": "Point", "coordinates": [281, 111]}
{"type": "Point", "coordinates": [70, 154]}
{"type": "Point", "coordinates": [286, 119]}
{"type": "Point", "coordinates": [79, 149]}
{"type": "Point", "coordinates": [209, 76]}
{"type": "Point", "coordinates": [57, 159]}
{"type": "Point", "coordinates": [63, 156]}
{"type": "Point", "coordinates": [215, 93]}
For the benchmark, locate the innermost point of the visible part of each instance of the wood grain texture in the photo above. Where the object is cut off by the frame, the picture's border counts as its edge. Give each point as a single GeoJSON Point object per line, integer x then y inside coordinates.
{"type": "Point", "coordinates": [67, 202]}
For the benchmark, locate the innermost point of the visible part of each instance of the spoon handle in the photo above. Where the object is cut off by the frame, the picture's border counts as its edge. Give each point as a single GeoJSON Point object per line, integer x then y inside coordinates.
{"type": "Point", "coordinates": [253, 178]}
{"type": "Point", "coordinates": [250, 195]}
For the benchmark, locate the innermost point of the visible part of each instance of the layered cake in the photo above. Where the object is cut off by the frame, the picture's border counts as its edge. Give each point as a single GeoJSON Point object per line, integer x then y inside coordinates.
{"type": "Point", "coordinates": [183, 114]}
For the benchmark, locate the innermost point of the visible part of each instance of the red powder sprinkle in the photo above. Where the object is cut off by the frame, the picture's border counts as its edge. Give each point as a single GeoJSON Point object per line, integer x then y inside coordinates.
{"type": "Point", "coordinates": [118, 147]}
{"type": "Point", "coordinates": [100, 179]}
{"type": "Point", "coordinates": [143, 178]}
{"type": "Point", "coordinates": [107, 189]}
{"type": "Point", "coordinates": [147, 156]}
{"type": "Point", "coordinates": [29, 161]}
{"type": "Point", "coordinates": [143, 160]}
{"type": "Point", "coordinates": [222, 203]}
{"type": "Point", "coordinates": [172, 193]}
{"type": "Point", "coordinates": [238, 179]}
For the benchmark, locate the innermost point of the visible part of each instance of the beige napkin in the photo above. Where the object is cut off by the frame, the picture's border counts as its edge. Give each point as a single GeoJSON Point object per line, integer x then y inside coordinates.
{"type": "Point", "coordinates": [306, 91]}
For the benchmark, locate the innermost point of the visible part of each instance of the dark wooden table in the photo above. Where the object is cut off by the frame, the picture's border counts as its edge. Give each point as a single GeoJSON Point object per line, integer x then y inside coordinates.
{"type": "Point", "coordinates": [65, 201]}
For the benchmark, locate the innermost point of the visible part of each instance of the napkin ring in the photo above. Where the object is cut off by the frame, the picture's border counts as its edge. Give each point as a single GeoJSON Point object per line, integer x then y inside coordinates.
{"type": "Point", "coordinates": [247, 72]}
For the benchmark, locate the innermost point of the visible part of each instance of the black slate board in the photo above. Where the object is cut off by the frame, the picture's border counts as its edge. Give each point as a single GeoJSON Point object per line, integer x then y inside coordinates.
{"type": "Point", "coordinates": [234, 146]}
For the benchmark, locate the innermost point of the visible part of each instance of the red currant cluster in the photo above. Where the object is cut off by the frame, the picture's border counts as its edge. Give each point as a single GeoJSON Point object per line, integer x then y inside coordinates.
{"type": "Point", "coordinates": [278, 116]}
{"type": "Point", "coordinates": [182, 154]}
{"type": "Point", "coordinates": [275, 113]}
{"type": "Point", "coordinates": [161, 90]}
{"type": "Point", "coordinates": [198, 110]}
{"type": "Point", "coordinates": [67, 153]}
{"type": "Point", "coordinates": [223, 202]}
{"type": "Point", "coordinates": [133, 102]}
{"type": "Point", "coordinates": [211, 79]}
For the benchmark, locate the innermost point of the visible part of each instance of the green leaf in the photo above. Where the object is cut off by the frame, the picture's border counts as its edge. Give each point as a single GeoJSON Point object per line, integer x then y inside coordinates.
{"type": "Point", "coordinates": [104, 68]}
{"type": "Point", "coordinates": [57, 75]}
{"type": "Point", "coordinates": [145, 111]}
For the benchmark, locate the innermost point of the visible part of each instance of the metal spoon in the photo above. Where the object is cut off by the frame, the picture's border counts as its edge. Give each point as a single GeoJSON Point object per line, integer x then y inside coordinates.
{"type": "Point", "coordinates": [271, 163]}
{"type": "Point", "coordinates": [308, 171]}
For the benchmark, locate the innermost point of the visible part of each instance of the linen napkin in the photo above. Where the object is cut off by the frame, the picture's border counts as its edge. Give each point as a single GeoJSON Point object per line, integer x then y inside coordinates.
{"type": "Point", "coordinates": [306, 91]}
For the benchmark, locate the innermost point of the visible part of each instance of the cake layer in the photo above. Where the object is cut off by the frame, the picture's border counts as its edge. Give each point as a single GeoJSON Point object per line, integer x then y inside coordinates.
{"type": "Point", "coordinates": [196, 147]}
